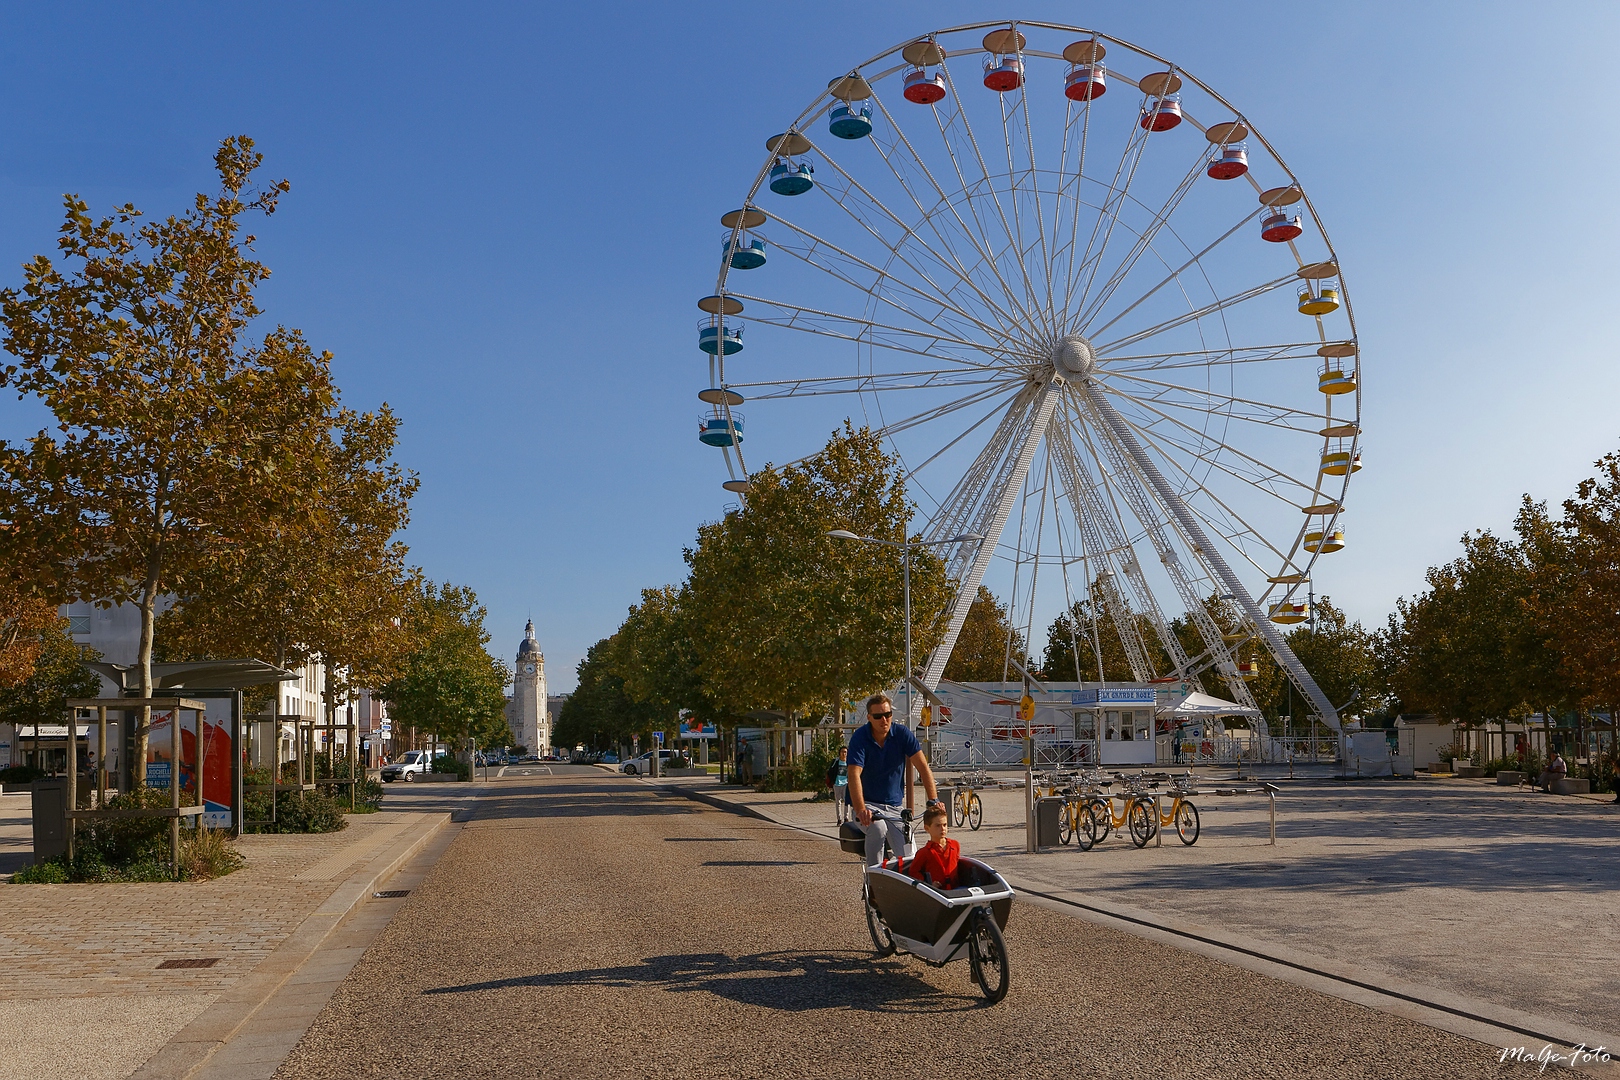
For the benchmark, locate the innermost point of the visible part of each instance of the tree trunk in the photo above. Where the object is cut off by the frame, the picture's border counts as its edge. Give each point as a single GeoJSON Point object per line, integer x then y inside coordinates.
{"type": "Point", "coordinates": [148, 606]}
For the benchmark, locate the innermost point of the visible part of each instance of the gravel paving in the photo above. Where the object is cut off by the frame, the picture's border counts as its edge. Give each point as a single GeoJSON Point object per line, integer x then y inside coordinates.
{"type": "Point", "coordinates": [584, 925]}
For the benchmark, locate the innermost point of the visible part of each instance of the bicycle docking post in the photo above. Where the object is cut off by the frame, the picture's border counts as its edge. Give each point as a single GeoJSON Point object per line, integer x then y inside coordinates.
{"type": "Point", "coordinates": [1158, 818]}
{"type": "Point", "coordinates": [1271, 797]}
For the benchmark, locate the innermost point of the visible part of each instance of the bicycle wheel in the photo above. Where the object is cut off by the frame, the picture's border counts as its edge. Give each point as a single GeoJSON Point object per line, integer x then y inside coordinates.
{"type": "Point", "coordinates": [987, 956]}
{"type": "Point", "coordinates": [1099, 820]}
{"type": "Point", "coordinates": [1143, 821]}
{"type": "Point", "coordinates": [959, 810]}
{"type": "Point", "coordinates": [1082, 825]}
{"type": "Point", "coordinates": [1066, 828]}
{"type": "Point", "coordinates": [975, 813]}
{"type": "Point", "coordinates": [1187, 823]}
{"type": "Point", "coordinates": [882, 940]}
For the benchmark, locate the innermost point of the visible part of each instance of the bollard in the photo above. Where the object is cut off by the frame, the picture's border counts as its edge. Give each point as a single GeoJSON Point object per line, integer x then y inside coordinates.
{"type": "Point", "coordinates": [1271, 797]}
{"type": "Point", "coordinates": [1158, 816]}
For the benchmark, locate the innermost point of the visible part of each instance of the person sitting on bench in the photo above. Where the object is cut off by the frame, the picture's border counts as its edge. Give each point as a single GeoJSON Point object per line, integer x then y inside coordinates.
{"type": "Point", "coordinates": [936, 861]}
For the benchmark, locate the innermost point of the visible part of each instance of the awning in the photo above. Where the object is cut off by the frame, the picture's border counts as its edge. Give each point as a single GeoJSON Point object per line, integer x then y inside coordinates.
{"type": "Point", "coordinates": [197, 675]}
{"type": "Point", "coordinates": [1197, 705]}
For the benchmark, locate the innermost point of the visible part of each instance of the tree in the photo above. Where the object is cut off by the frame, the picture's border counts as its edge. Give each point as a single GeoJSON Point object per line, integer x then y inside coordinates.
{"type": "Point", "coordinates": [1579, 598]}
{"type": "Point", "coordinates": [986, 640]}
{"type": "Point", "coordinates": [448, 683]}
{"type": "Point", "coordinates": [180, 440]}
{"type": "Point", "coordinates": [785, 616]}
{"type": "Point", "coordinates": [1453, 649]}
{"type": "Point", "coordinates": [599, 713]}
{"type": "Point", "coordinates": [656, 656]}
{"type": "Point", "coordinates": [24, 620]}
{"type": "Point", "coordinates": [1342, 659]}
{"type": "Point", "coordinates": [1085, 624]}
{"type": "Point", "coordinates": [56, 674]}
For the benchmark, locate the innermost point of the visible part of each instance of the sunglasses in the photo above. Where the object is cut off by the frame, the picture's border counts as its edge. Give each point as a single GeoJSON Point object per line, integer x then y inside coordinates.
{"type": "Point", "coordinates": [881, 715]}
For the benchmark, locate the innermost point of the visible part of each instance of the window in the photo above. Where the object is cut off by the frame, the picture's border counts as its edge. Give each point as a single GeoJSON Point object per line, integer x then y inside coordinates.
{"type": "Point", "coordinates": [78, 625]}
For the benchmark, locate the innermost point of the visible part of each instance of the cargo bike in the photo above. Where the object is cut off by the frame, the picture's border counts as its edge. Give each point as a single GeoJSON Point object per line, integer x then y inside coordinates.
{"type": "Point", "coordinates": [938, 925]}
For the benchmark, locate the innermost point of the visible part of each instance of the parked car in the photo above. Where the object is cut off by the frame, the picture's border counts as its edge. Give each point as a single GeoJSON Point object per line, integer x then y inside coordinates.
{"type": "Point", "coordinates": [641, 762]}
{"type": "Point", "coordinates": [408, 767]}
{"type": "Point", "coordinates": [526, 759]}
{"type": "Point", "coordinates": [609, 758]}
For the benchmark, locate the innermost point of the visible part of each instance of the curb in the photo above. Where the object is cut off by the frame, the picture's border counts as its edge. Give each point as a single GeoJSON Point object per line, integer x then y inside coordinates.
{"type": "Point", "coordinates": [1373, 989]}
{"type": "Point", "coordinates": [194, 1045]}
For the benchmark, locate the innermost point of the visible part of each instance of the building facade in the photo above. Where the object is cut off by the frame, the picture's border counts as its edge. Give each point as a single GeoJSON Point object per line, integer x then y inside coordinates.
{"type": "Point", "coordinates": [526, 712]}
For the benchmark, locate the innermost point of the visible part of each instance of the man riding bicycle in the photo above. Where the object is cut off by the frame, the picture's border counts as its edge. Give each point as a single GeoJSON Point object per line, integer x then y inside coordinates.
{"type": "Point", "coordinates": [878, 755]}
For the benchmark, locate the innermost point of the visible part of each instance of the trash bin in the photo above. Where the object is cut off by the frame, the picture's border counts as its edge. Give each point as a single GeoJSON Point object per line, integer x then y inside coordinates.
{"type": "Point", "coordinates": [947, 795]}
{"type": "Point", "coordinates": [1048, 812]}
{"type": "Point", "coordinates": [50, 818]}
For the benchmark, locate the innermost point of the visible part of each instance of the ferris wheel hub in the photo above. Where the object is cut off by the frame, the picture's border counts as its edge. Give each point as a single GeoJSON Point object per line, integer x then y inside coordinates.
{"type": "Point", "coordinates": [1073, 358]}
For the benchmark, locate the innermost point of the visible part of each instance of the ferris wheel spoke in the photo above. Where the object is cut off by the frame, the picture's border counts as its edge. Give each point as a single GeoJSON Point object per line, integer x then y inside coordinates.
{"type": "Point", "coordinates": [1269, 473]}
{"type": "Point", "coordinates": [815, 251]}
{"type": "Point", "coordinates": [959, 118]}
{"type": "Point", "coordinates": [937, 411]}
{"type": "Point", "coordinates": [936, 455]}
{"type": "Point", "coordinates": [1199, 359]}
{"type": "Point", "coordinates": [854, 196]}
{"type": "Point", "coordinates": [866, 331]}
{"type": "Point", "coordinates": [930, 380]}
{"type": "Point", "coordinates": [1228, 532]}
{"type": "Point", "coordinates": [1196, 314]}
{"type": "Point", "coordinates": [1144, 241]}
{"type": "Point", "coordinates": [1281, 411]}
{"type": "Point", "coordinates": [1108, 214]}
{"type": "Point", "coordinates": [1015, 124]}
{"type": "Point", "coordinates": [976, 236]}
{"type": "Point", "coordinates": [1176, 273]}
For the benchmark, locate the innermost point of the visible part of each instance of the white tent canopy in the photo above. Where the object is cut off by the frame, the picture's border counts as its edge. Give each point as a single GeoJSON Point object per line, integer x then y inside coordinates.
{"type": "Point", "coordinates": [1202, 705]}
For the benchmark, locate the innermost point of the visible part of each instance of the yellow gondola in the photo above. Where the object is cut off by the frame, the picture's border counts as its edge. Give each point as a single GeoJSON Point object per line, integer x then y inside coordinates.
{"type": "Point", "coordinates": [1318, 303]}
{"type": "Point", "coordinates": [1341, 463]}
{"type": "Point", "coordinates": [1325, 543]}
{"type": "Point", "coordinates": [1287, 613]}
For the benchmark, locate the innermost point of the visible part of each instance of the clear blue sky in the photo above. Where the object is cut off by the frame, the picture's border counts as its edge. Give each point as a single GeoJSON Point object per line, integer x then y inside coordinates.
{"type": "Point", "coordinates": [500, 219]}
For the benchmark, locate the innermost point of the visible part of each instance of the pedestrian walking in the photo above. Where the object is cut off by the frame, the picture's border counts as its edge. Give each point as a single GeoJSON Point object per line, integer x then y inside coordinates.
{"type": "Point", "coordinates": [838, 782]}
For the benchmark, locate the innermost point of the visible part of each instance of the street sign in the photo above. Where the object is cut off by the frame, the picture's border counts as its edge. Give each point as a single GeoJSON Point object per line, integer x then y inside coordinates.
{"type": "Point", "coordinates": [1026, 708]}
{"type": "Point", "coordinates": [927, 715]}
{"type": "Point", "coordinates": [658, 738]}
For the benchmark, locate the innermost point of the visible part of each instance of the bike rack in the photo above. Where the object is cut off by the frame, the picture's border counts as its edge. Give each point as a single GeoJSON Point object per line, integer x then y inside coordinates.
{"type": "Point", "coordinates": [1270, 792]}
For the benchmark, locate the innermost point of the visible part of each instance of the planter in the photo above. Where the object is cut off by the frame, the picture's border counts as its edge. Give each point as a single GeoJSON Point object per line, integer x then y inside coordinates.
{"type": "Point", "coordinates": [437, 778]}
{"type": "Point", "coordinates": [1571, 786]}
{"type": "Point", "coordinates": [1509, 779]}
{"type": "Point", "coordinates": [698, 771]}
{"type": "Point", "coordinates": [1471, 772]}
{"type": "Point", "coordinates": [16, 789]}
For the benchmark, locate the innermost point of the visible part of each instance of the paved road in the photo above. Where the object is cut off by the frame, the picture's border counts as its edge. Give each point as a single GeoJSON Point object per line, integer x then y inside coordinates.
{"type": "Point", "coordinates": [583, 925]}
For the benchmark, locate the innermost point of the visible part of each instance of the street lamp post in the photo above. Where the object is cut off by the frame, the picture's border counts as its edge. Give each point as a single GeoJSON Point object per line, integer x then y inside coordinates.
{"type": "Point", "coordinates": [905, 548]}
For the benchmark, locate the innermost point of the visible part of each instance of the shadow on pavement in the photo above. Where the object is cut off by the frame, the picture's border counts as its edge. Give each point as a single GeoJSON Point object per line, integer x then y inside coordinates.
{"type": "Point", "coordinates": [1530, 866]}
{"type": "Point", "coordinates": [790, 981]}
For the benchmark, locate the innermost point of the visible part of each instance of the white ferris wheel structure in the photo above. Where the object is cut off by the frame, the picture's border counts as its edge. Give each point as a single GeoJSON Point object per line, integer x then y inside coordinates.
{"type": "Point", "coordinates": [1093, 313]}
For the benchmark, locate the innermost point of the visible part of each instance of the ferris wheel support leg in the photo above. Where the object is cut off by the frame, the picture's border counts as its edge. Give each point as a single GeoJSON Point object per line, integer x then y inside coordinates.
{"type": "Point", "coordinates": [1045, 403]}
{"type": "Point", "coordinates": [1189, 523]}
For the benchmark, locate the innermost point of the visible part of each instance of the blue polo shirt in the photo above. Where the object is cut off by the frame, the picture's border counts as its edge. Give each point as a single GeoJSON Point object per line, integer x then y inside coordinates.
{"type": "Point", "coordinates": [883, 767]}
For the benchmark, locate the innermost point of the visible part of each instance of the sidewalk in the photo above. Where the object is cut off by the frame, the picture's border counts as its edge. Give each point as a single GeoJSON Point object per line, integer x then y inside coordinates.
{"type": "Point", "coordinates": [1490, 901]}
{"type": "Point", "coordinates": [83, 994]}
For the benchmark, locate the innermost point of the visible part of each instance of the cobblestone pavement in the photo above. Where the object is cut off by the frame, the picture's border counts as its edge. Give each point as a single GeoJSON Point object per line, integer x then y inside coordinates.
{"type": "Point", "coordinates": [591, 926]}
{"type": "Point", "coordinates": [81, 994]}
{"type": "Point", "coordinates": [1500, 895]}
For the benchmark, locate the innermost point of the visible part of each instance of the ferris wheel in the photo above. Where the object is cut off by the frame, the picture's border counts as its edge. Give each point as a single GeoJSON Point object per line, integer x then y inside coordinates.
{"type": "Point", "coordinates": [1091, 310]}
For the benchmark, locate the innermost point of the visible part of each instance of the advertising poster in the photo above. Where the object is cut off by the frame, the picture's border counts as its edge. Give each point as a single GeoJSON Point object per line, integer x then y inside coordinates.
{"type": "Point", "coordinates": [697, 729]}
{"type": "Point", "coordinates": [216, 778]}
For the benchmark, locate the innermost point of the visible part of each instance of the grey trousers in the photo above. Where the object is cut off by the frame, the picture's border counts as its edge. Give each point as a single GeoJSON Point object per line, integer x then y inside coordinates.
{"type": "Point", "coordinates": [886, 825]}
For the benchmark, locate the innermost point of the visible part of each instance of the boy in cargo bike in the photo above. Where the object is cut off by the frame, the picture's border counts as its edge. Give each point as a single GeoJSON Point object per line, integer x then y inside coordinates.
{"type": "Point", "coordinates": [955, 907]}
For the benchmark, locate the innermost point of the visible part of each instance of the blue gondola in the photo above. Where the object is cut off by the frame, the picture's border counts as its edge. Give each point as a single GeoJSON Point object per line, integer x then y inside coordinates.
{"type": "Point", "coordinates": [720, 431]}
{"type": "Point", "coordinates": [792, 177]}
{"type": "Point", "coordinates": [748, 253]}
{"type": "Point", "coordinates": [848, 123]}
{"type": "Point", "coordinates": [711, 337]}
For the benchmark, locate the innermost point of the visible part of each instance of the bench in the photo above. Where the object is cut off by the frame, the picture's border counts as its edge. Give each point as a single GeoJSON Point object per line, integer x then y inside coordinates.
{"type": "Point", "coordinates": [1471, 772]}
{"type": "Point", "coordinates": [1571, 786]}
{"type": "Point", "coordinates": [1508, 778]}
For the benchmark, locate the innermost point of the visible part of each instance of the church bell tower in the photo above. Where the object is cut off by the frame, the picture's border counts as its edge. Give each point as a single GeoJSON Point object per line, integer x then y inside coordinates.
{"type": "Point", "coordinates": [526, 712]}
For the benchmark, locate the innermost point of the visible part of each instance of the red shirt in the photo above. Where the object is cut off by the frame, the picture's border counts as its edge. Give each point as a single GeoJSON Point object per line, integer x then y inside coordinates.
{"type": "Point", "coordinates": [936, 866]}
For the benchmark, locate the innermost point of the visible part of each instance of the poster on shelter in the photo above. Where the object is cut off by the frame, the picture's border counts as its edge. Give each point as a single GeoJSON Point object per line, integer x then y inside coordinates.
{"type": "Point", "coordinates": [697, 729]}
{"type": "Point", "coordinates": [216, 771]}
